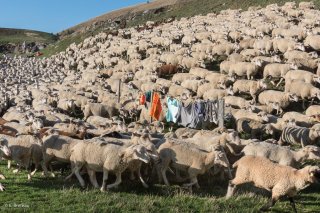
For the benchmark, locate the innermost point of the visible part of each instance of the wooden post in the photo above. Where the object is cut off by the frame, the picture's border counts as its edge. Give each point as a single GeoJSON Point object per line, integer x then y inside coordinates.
{"type": "Point", "coordinates": [119, 90]}
{"type": "Point", "coordinates": [221, 112]}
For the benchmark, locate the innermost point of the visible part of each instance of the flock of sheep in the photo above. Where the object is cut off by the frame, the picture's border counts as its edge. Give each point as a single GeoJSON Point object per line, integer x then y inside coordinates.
{"type": "Point", "coordinates": [268, 59]}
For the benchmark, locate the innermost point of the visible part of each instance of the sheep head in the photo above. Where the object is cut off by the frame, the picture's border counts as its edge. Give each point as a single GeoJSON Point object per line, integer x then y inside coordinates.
{"type": "Point", "coordinates": [137, 152]}
{"type": "Point", "coordinates": [311, 152]}
{"type": "Point", "coordinates": [293, 97]}
{"type": "Point", "coordinates": [4, 147]}
{"type": "Point", "coordinates": [312, 173]}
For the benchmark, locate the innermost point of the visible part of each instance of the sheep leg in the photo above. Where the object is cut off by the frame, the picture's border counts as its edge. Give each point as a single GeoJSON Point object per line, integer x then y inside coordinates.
{"type": "Point", "coordinates": [231, 189]}
{"type": "Point", "coordinates": [93, 178]}
{"type": "Point", "coordinates": [279, 82]}
{"type": "Point", "coordinates": [104, 180]}
{"type": "Point", "coordinates": [77, 173]}
{"type": "Point", "coordinates": [164, 176]}
{"type": "Point", "coordinates": [9, 164]}
{"type": "Point", "coordinates": [1, 187]}
{"type": "Point", "coordinates": [116, 183]}
{"type": "Point", "coordinates": [141, 179]}
{"type": "Point", "coordinates": [293, 204]}
{"type": "Point", "coordinates": [194, 181]}
{"type": "Point", "coordinates": [268, 205]}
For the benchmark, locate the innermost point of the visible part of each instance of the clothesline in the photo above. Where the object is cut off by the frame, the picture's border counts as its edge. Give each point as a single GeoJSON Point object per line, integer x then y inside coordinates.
{"type": "Point", "coordinates": [196, 114]}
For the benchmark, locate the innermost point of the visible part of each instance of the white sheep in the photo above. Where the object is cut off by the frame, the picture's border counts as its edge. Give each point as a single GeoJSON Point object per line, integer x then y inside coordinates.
{"type": "Point", "coordinates": [280, 180]}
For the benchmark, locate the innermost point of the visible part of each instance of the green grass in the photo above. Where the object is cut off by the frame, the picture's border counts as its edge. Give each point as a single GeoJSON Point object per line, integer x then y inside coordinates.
{"type": "Point", "coordinates": [18, 36]}
{"type": "Point", "coordinates": [53, 194]}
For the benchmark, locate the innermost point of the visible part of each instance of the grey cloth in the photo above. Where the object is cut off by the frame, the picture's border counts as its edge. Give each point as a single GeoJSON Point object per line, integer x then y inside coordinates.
{"type": "Point", "coordinates": [191, 116]}
{"type": "Point", "coordinates": [211, 111]}
{"type": "Point", "coordinates": [185, 115]}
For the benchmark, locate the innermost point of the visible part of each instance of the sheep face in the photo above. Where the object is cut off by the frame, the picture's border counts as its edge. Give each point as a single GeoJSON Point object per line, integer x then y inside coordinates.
{"type": "Point", "coordinates": [293, 97]}
{"type": "Point", "coordinates": [221, 159]}
{"type": "Point", "coordinates": [312, 152]}
{"type": "Point", "coordinates": [139, 152]}
{"type": "Point", "coordinates": [313, 173]}
{"type": "Point", "coordinates": [263, 116]}
{"type": "Point", "coordinates": [4, 147]}
{"type": "Point", "coordinates": [233, 137]}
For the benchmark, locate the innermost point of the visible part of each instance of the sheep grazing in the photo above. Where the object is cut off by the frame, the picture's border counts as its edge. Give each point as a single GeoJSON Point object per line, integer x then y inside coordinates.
{"type": "Point", "coordinates": [300, 135]}
{"type": "Point", "coordinates": [252, 127]}
{"type": "Point", "coordinates": [282, 155]}
{"type": "Point", "coordinates": [278, 179]}
{"type": "Point", "coordinates": [189, 158]}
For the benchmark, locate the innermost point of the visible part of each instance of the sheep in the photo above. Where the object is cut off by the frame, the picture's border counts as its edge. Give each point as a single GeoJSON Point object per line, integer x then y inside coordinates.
{"type": "Point", "coordinates": [282, 99]}
{"type": "Point", "coordinates": [176, 90]}
{"type": "Point", "coordinates": [220, 79]}
{"type": "Point", "coordinates": [23, 149]}
{"type": "Point", "coordinates": [249, 86]}
{"type": "Point", "coordinates": [185, 133]}
{"type": "Point", "coordinates": [299, 118]}
{"type": "Point", "coordinates": [276, 70]}
{"type": "Point", "coordinates": [66, 105]}
{"type": "Point", "coordinates": [245, 69]}
{"type": "Point", "coordinates": [57, 147]}
{"type": "Point", "coordinates": [192, 85]}
{"type": "Point", "coordinates": [190, 62]}
{"type": "Point", "coordinates": [300, 135]}
{"type": "Point", "coordinates": [239, 102]}
{"type": "Point", "coordinates": [187, 157]}
{"type": "Point", "coordinates": [261, 116]}
{"type": "Point", "coordinates": [225, 139]}
{"type": "Point", "coordinates": [303, 90]}
{"type": "Point", "coordinates": [280, 180]}
{"type": "Point", "coordinates": [252, 127]}
{"type": "Point", "coordinates": [313, 110]}
{"type": "Point", "coordinates": [98, 109]}
{"type": "Point", "coordinates": [215, 94]}
{"type": "Point", "coordinates": [200, 72]}
{"type": "Point", "coordinates": [108, 157]}
{"type": "Point", "coordinates": [284, 45]}
{"type": "Point", "coordinates": [306, 5]}
{"type": "Point", "coordinates": [282, 155]}
{"type": "Point", "coordinates": [302, 75]}
{"type": "Point", "coordinates": [224, 49]}
{"type": "Point", "coordinates": [167, 69]}
{"type": "Point", "coordinates": [313, 41]}
{"type": "Point", "coordinates": [180, 77]}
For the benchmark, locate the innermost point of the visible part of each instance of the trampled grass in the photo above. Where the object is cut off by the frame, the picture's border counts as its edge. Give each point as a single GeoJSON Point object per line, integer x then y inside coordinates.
{"type": "Point", "coordinates": [54, 194]}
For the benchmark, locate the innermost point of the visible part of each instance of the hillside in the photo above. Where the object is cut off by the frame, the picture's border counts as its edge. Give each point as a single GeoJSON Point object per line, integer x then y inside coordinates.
{"type": "Point", "coordinates": [8, 35]}
{"type": "Point", "coordinates": [158, 10]}
{"type": "Point", "coordinates": [11, 40]}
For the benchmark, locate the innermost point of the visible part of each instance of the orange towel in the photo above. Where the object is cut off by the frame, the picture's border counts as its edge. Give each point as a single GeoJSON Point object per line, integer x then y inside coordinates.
{"type": "Point", "coordinates": [142, 99]}
{"type": "Point", "coordinates": [156, 107]}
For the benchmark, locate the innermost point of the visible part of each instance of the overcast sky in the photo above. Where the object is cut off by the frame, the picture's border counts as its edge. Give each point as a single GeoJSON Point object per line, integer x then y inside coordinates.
{"type": "Point", "coordinates": [55, 15]}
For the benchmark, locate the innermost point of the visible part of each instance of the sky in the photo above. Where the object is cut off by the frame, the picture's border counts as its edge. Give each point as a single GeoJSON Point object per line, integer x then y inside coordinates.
{"type": "Point", "coordinates": [53, 16]}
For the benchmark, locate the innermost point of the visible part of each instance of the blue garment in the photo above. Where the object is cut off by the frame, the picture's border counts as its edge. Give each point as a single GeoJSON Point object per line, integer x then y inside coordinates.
{"type": "Point", "coordinates": [173, 108]}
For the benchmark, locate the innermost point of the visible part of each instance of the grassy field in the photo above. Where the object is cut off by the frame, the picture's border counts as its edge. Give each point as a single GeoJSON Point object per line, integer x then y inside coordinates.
{"type": "Point", "coordinates": [53, 194]}
{"type": "Point", "coordinates": [19, 36]}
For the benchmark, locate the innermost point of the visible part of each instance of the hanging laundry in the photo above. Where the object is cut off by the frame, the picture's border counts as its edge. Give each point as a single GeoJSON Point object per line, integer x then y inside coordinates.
{"type": "Point", "coordinates": [156, 107]}
{"type": "Point", "coordinates": [173, 108]}
{"type": "Point", "coordinates": [184, 115]}
{"type": "Point", "coordinates": [148, 96]}
{"type": "Point", "coordinates": [142, 99]}
{"type": "Point", "coordinates": [211, 111]}
{"type": "Point", "coordinates": [197, 115]}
